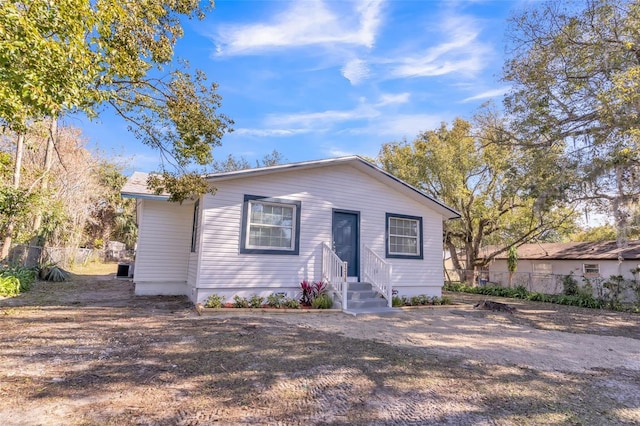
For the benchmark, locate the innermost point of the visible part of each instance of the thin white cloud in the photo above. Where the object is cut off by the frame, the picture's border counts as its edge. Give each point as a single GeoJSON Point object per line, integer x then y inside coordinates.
{"type": "Point", "coordinates": [271, 132]}
{"type": "Point", "coordinates": [355, 71]}
{"type": "Point", "coordinates": [401, 125]}
{"type": "Point", "coordinates": [365, 118]}
{"type": "Point", "coordinates": [396, 98]}
{"type": "Point", "coordinates": [376, 123]}
{"type": "Point", "coordinates": [460, 52]}
{"type": "Point", "coordinates": [313, 119]}
{"type": "Point", "coordinates": [304, 23]}
{"type": "Point", "coordinates": [487, 94]}
{"type": "Point", "coordinates": [338, 152]}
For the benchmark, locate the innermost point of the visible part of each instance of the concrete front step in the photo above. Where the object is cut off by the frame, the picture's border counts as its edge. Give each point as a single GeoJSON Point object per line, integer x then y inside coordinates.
{"type": "Point", "coordinates": [362, 296]}
{"type": "Point", "coordinates": [372, 311]}
{"type": "Point", "coordinates": [359, 287]}
{"type": "Point", "coordinates": [367, 303]}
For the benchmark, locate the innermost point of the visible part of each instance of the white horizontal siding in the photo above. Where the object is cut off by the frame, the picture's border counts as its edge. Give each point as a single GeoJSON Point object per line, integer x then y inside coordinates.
{"type": "Point", "coordinates": [608, 267]}
{"type": "Point", "coordinates": [164, 242]}
{"type": "Point", "coordinates": [320, 191]}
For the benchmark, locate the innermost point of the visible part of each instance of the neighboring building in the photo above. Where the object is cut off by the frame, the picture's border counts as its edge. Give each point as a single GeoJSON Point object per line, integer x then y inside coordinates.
{"type": "Point", "coordinates": [595, 261]}
{"type": "Point", "coordinates": [267, 229]}
{"type": "Point", "coordinates": [592, 259]}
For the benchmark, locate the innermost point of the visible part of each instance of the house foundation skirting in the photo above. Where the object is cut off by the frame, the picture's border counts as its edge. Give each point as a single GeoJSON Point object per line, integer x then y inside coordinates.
{"type": "Point", "coordinates": [169, 288]}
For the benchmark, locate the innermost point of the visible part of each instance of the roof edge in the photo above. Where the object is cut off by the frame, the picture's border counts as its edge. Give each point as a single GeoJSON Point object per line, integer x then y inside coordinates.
{"type": "Point", "coordinates": [452, 214]}
{"type": "Point", "coordinates": [136, 185]}
{"type": "Point", "coordinates": [456, 214]}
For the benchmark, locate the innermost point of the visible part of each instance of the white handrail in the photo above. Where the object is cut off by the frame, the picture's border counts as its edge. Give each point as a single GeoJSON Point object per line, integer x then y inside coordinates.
{"type": "Point", "coordinates": [334, 273]}
{"type": "Point", "coordinates": [377, 272]}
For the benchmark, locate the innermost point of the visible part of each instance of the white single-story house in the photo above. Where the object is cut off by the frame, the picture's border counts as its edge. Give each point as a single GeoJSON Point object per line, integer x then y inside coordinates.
{"type": "Point", "coordinates": [265, 230]}
{"type": "Point", "coordinates": [594, 261]}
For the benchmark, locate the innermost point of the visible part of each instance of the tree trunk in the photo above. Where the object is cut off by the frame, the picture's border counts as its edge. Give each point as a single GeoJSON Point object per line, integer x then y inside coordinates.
{"type": "Point", "coordinates": [471, 267]}
{"type": "Point", "coordinates": [620, 215]}
{"type": "Point", "coordinates": [472, 278]}
{"type": "Point", "coordinates": [6, 246]}
{"type": "Point", "coordinates": [44, 184]}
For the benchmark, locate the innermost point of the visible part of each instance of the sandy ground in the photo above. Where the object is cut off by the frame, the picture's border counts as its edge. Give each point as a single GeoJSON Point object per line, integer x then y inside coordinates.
{"type": "Point", "coordinates": [89, 352]}
{"type": "Point", "coordinates": [488, 337]}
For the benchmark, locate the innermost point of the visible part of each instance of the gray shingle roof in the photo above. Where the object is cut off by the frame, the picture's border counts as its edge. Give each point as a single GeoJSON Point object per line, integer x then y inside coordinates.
{"type": "Point", "coordinates": [584, 250]}
{"type": "Point", "coordinates": [136, 185]}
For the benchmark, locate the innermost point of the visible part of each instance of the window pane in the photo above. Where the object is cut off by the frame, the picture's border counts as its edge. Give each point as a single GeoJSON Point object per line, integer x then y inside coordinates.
{"type": "Point", "coordinates": [287, 217]}
{"type": "Point", "coordinates": [271, 230]}
{"type": "Point", "coordinates": [408, 227]}
{"type": "Point", "coordinates": [403, 236]}
{"type": "Point", "coordinates": [403, 245]}
{"type": "Point", "coordinates": [541, 268]}
{"type": "Point", "coordinates": [271, 215]}
{"type": "Point", "coordinates": [591, 268]}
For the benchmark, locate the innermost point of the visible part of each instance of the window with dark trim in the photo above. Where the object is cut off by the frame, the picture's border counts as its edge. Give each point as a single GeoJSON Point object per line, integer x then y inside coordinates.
{"type": "Point", "coordinates": [270, 226]}
{"type": "Point", "coordinates": [592, 269]}
{"type": "Point", "coordinates": [542, 268]}
{"type": "Point", "coordinates": [403, 236]}
{"type": "Point", "coordinates": [194, 228]}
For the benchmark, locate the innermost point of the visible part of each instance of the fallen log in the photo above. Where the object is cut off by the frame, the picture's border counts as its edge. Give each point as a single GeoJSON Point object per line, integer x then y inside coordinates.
{"type": "Point", "coordinates": [490, 305]}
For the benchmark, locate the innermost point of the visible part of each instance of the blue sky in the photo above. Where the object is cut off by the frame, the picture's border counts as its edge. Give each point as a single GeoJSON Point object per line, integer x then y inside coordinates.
{"type": "Point", "coordinates": [318, 79]}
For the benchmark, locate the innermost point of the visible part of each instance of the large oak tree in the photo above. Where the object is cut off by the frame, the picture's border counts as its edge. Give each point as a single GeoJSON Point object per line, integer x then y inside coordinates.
{"type": "Point", "coordinates": [64, 56]}
{"type": "Point", "coordinates": [575, 70]}
{"type": "Point", "coordinates": [506, 195]}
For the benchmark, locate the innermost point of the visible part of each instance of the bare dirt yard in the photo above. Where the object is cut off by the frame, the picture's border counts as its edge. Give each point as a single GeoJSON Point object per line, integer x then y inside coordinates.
{"type": "Point", "coordinates": [88, 352]}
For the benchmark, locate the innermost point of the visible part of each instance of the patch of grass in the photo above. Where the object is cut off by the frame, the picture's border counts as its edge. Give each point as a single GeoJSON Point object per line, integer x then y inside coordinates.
{"type": "Point", "coordinates": [95, 268]}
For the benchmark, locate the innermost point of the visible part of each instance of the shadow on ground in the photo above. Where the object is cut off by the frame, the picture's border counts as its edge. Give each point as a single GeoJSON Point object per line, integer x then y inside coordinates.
{"type": "Point", "coordinates": [89, 352]}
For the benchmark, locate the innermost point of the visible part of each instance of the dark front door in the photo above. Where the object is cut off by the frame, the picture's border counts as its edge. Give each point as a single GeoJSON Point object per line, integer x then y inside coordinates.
{"type": "Point", "coordinates": [346, 239]}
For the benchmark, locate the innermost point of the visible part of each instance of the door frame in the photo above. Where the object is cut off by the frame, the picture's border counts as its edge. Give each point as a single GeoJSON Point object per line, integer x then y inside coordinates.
{"type": "Point", "coordinates": [356, 213]}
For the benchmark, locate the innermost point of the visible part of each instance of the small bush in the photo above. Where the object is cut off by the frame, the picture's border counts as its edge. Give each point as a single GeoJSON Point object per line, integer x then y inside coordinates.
{"type": "Point", "coordinates": [397, 301]}
{"type": "Point", "coordinates": [256, 301]}
{"type": "Point", "coordinates": [570, 285]}
{"type": "Point", "coordinates": [9, 286]}
{"type": "Point", "coordinates": [582, 299]}
{"type": "Point", "coordinates": [446, 300]}
{"type": "Point", "coordinates": [214, 301]}
{"type": "Point", "coordinates": [586, 289]}
{"type": "Point", "coordinates": [454, 286]}
{"type": "Point", "coordinates": [276, 300]}
{"type": "Point", "coordinates": [521, 292]}
{"type": "Point", "coordinates": [323, 301]}
{"type": "Point", "coordinates": [422, 300]}
{"type": "Point", "coordinates": [539, 297]}
{"type": "Point", "coordinates": [240, 302]}
{"type": "Point", "coordinates": [635, 287]}
{"type": "Point", "coordinates": [291, 303]}
{"type": "Point", "coordinates": [16, 279]}
{"type": "Point", "coordinates": [419, 300]}
{"type": "Point", "coordinates": [311, 290]}
{"type": "Point", "coordinates": [56, 274]}
{"type": "Point", "coordinates": [615, 286]}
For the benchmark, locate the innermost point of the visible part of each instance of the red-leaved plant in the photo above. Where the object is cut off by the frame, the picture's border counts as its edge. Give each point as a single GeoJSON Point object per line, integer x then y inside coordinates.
{"type": "Point", "coordinates": [311, 290]}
